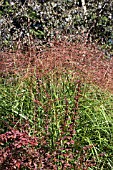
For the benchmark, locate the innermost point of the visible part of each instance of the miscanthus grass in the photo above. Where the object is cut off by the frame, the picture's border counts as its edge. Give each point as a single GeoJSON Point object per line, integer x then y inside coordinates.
{"type": "Point", "coordinates": [55, 122]}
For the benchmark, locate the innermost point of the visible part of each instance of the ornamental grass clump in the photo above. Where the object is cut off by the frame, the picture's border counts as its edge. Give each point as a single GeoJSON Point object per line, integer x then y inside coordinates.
{"type": "Point", "coordinates": [52, 116]}
{"type": "Point", "coordinates": [47, 139]}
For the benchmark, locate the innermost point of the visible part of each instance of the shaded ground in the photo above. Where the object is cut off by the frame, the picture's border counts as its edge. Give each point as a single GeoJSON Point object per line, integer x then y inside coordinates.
{"type": "Point", "coordinates": [85, 59]}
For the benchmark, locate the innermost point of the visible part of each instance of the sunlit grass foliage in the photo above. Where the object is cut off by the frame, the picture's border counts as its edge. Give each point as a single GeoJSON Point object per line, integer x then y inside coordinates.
{"type": "Point", "coordinates": [72, 122]}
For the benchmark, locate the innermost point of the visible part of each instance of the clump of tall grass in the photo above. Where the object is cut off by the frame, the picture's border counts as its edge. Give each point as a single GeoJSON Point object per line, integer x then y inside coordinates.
{"type": "Point", "coordinates": [55, 122]}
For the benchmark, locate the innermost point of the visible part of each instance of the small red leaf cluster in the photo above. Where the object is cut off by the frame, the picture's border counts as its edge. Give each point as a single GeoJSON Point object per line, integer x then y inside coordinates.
{"type": "Point", "coordinates": [17, 150]}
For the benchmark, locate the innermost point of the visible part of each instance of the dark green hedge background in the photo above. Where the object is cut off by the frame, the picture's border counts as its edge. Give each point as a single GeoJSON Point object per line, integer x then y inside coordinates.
{"type": "Point", "coordinates": [43, 20]}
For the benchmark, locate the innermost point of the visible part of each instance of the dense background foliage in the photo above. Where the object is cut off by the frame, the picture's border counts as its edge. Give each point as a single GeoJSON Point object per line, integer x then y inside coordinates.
{"type": "Point", "coordinates": [43, 20]}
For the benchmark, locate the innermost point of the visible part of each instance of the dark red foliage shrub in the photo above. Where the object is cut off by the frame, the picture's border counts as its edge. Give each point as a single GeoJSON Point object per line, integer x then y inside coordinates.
{"type": "Point", "coordinates": [17, 151]}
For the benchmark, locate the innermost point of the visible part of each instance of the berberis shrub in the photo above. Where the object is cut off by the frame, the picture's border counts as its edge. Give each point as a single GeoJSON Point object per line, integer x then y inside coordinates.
{"type": "Point", "coordinates": [55, 122]}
